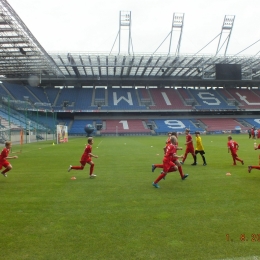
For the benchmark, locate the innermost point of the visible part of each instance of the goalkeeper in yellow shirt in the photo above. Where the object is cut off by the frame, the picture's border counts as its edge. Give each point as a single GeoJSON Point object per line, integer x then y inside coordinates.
{"type": "Point", "coordinates": [199, 148]}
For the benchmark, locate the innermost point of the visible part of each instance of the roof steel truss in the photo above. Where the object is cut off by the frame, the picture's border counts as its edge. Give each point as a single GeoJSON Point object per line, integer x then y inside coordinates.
{"type": "Point", "coordinates": [20, 52]}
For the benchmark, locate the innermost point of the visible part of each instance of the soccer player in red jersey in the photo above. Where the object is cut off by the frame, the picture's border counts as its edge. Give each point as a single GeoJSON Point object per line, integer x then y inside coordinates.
{"type": "Point", "coordinates": [232, 148]}
{"type": "Point", "coordinates": [3, 156]}
{"type": "Point", "coordinates": [167, 161]}
{"type": "Point", "coordinates": [175, 158]}
{"type": "Point", "coordinates": [168, 141]}
{"type": "Point", "coordinates": [257, 167]}
{"type": "Point", "coordinates": [189, 147]}
{"type": "Point", "coordinates": [86, 158]}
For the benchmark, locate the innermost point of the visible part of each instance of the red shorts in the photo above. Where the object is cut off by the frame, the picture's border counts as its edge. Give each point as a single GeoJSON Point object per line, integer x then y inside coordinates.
{"type": "Point", "coordinates": [189, 150]}
{"type": "Point", "coordinates": [167, 165]}
{"type": "Point", "coordinates": [234, 155]}
{"type": "Point", "coordinates": [4, 163]}
{"type": "Point", "coordinates": [85, 161]}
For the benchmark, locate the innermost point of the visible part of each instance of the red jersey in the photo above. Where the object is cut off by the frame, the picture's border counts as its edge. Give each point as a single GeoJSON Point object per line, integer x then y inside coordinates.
{"type": "Point", "coordinates": [189, 139]}
{"type": "Point", "coordinates": [170, 151]}
{"type": "Point", "coordinates": [175, 156]}
{"type": "Point", "coordinates": [168, 141]}
{"type": "Point", "coordinates": [233, 146]}
{"type": "Point", "coordinates": [85, 156]}
{"type": "Point", "coordinates": [4, 154]}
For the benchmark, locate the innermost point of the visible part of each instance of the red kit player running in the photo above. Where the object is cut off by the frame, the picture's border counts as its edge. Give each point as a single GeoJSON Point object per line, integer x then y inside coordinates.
{"type": "Point", "coordinates": [232, 148]}
{"type": "Point", "coordinates": [257, 167]}
{"type": "Point", "coordinates": [3, 156]}
{"type": "Point", "coordinates": [175, 158]}
{"type": "Point", "coordinates": [168, 164]}
{"type": "Point", "coordinates": [189, 147]}
{"type": "Point", "coordinates": [86, 158]}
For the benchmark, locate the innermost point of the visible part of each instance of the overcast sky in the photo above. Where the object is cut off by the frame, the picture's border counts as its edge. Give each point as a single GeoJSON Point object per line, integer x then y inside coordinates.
{"type": "Point", "coordinates": [92, 26]}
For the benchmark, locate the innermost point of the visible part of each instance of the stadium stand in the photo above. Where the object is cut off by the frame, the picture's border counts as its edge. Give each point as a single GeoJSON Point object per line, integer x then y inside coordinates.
{"type": "Point", "coordinates": [220, 124]}
{"type": "Point", "coordinates": [256, 91]}
{"type": "Point", "coordinates": [248, 99]}
{"type": "Point", "coordinates": [129, 99]}
{"type": "Point", "coordinates": [223, 92]}
{"type": "Point", "coordinates": [143, 93]}
{"type": "Point", "coordinates": [3, 91]}
{"type": "Point", "coordinates": [167, 99]}
{"type": "Point", "coordinates": [144, 96]}
{"type": "Point", "coordinates": [19, 120]}
{"type": "Point", "coordinates": [84, 99]}
{"type": "Point", "coordinates": [18, 92]}
{"type": "Point", "coordinates": [100, 97]}
{"type": "Point", "coordinates": [41, 121]}
{"type": "Point", "coordinates": [231, 101]}
{"type": "Point", "coordinates": [210, 99]}
{"type": "Point", "coordinates": [66, 122]}
{"type": "Point", "coordinates": [5, 121]}
{"type": "Point", "coordinates": [78, 127]}
{"type": "Point", "coordinates": [177, 125]}
{"type": "Point", "coordinates": [184, 93]}
{"type": "Point", "coordinates": [67, 98]}
{"type": "Point", "coordinates": [129, 126]}
{"type": "Point", "coordinates": [123, 99]}
{"type": "Point", "coordinates": [52, 94]}
{"type": "Point", "coordinates": [253, 122]}
{"type": "Point", "coordinates": [100, 93]}
{"type": "Point", "coordinates": [71, 99]}
{"type": "Point", "coordinates": [38, 93]}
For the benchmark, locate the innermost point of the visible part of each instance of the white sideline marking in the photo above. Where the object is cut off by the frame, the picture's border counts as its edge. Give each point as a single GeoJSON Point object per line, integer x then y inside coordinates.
{"type": "Point", "coordinates": [99, 143]}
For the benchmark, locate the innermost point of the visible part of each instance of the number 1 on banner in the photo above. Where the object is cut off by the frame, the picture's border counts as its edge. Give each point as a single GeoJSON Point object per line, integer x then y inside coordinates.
{"type": "Point", "coordinates": [125, 124]}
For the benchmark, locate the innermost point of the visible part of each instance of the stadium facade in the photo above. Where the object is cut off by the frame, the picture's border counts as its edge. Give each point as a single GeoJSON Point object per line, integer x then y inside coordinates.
{"type": "Point", "coordinates": [112, 90]}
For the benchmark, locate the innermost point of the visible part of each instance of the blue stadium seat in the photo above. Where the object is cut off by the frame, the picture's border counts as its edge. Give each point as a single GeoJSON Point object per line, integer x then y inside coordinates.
{"type": "Point", "coordinates": [123, 99]}
{"type": "Point", "coordinates": [175, 125]}
{"type": "Point", "coordinates": [209, 99]}
{"type": "Point", "coordinates": [78, 127]}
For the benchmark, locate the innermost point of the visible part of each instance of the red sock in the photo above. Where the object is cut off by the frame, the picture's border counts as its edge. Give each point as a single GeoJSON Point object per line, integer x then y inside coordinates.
{"type": "Point", "coordinates": [91, 169]}
{"type": "Point", "coordinates": [180, 171]}
{"type": "Point", "coordinates": [160, 177]}
{"type": "Point", "coordinates": [77, 167]}
{"type": "Point", "coordinates": [158, 165]}
{"type": "Point", "coordinates": [6, 170]}
{"type": "Point", "coordinates": [184, 158]}
{"type": "Point", "coordinates": [256, 167]}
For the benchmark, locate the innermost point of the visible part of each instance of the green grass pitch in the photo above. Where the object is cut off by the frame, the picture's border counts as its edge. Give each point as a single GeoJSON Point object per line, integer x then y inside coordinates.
{"type": "Point", "coordinates": [120, 215]}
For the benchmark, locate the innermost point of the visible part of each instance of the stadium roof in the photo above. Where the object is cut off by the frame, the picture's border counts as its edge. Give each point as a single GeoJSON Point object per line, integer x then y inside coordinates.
{"type": "Point", "coordinates": [21, 54]}
{"type": "Point", "coordinates": [23, 59]}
